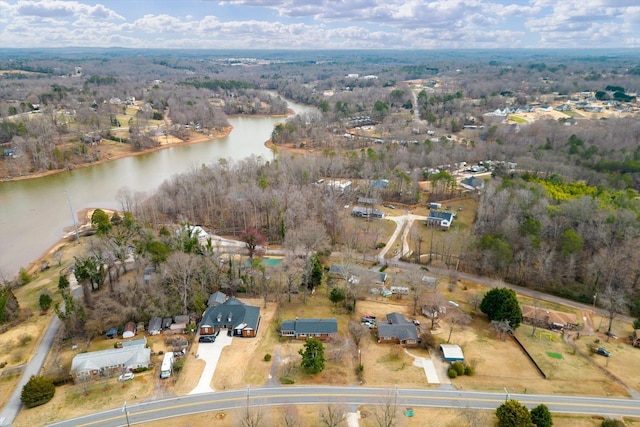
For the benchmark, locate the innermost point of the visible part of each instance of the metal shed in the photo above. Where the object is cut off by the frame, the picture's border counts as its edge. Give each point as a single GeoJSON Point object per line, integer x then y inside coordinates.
{"type": "Point", "coordinates": [452, 352]}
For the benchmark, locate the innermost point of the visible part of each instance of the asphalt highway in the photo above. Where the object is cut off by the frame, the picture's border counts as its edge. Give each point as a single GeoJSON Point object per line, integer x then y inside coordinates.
{"type": "Point", "coordinates": [279, 396]}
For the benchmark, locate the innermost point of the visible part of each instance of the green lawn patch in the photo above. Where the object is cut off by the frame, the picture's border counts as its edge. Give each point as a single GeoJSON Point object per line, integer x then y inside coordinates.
{"type": "Point", "coordinates": [554, 355]}
{"type": "Point", "coordinates": [517, 119]}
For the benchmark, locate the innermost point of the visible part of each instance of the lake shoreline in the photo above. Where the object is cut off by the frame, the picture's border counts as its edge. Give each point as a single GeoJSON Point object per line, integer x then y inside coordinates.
{"type": "Point", "coordinates": [192, 139]}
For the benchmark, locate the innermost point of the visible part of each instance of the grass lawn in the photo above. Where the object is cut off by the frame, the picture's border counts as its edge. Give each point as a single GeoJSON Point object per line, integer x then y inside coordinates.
{"type": "Point", "coordinates": [517, 119]}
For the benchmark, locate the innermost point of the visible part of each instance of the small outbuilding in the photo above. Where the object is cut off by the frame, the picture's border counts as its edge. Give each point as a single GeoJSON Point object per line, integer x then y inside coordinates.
{"type": "Point", "coordinates": [111, 333]}
{"type": "Point", "coordinates": [155, 325]}
{"type": "Point", "coordinates": [452, 353]}
{"type": "Point", "coordinates": [129, 330]}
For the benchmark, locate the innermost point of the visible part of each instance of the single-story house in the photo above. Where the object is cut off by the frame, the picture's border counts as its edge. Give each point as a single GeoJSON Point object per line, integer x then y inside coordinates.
{"type": "Point", "coordinates": [472, 183]}
{"type": "Point", "coordinates": [106, 363]}
{"type": "Point", "coordinates": [129, 330]}
{"type": "Point", "coordinates": [439, 219]}
{"type": "Point", "coordinates": [302, 329]}
{"type": "Point", "coordinates": [452, 353]}
{"type": "Point", "coordinates": [216, 298]}
{"type": "Point", "coordinates": [550, 319]}
{"type": "Point", "coordinates": [155, 325]}
{"type": "Point", "coordinates": [369, 212]}
{"type": "Point", "coordinates": [635, 338]}
{"type": "Point", "coordinates": [397, 330]}
{"type": "Point", "coordinates": [243, 319]}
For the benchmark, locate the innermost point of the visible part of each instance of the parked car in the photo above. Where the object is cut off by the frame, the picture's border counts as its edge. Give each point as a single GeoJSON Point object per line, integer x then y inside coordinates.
{"type": "Point", "coordinates": [126, 377]}
{"type": "Point", "coordinates": [416, 322]}
{"type": "Point", "coordinates": [207, 338]}
{"type": "Point", "coordinates": [611, 334]}
{"type": "Point", "coordinates": [603, 352]}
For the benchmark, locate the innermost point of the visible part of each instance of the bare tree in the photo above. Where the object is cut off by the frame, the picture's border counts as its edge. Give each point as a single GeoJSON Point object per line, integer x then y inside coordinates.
{"type": "Point", "coordinates": [475, 300]}
{"type": "Point", "coordinates": [456, 318]}
{"type": "Point", "coordinates": [251, 416]}
{"type": "Point", "coordinates": [386, 413]}
{"type": "Point", "coordinates": [358, 332]}
{"type": "Point", "coordinates": [290, 416]}
{"type": "Point", "coordinates": [432, 305]}
{"type": "Point", "coordinates": [179, 272]}
{"type": "Point", "coordinates": [333, 415]}
{"type": "Point", "coordinates": [502, 327]}
{"type": "Point", "coordinates": [473, 417]}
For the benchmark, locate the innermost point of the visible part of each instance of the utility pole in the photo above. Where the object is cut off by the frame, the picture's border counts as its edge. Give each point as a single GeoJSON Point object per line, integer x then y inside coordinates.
{"type": "Point", "coordinates": [73, 216]}
{"type": "Point", "coordinates": [126, 413]}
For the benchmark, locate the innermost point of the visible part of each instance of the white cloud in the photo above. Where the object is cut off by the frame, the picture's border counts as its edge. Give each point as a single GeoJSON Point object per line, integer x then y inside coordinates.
{"type": "Point", "coordinates": [60, 8]}
{"type": "Point", "coordinates": [331, 24]}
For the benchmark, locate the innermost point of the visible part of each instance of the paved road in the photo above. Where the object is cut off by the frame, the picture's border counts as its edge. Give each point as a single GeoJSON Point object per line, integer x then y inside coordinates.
{"type": "Point", "coordinates": [13, 405]}
{"type": "Point", "coordinates": [278, 396]}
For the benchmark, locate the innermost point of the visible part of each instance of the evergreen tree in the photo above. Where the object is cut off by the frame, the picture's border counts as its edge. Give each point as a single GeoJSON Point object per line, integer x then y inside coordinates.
{"type": "Point", "coordinates": [37, 391]}
{"type": "Point", "coordinates": [541, 416]}
{"type": "Point", "coordinates": [513, 414]}
{"type": "Point", "coordinates": [502, 304]}
{"type": "Point", "coordinates": [336, 295]}
{"type": "Point", "coordinates": [312, 356]}
{"type": "Point", "coordinates": [9, 307]}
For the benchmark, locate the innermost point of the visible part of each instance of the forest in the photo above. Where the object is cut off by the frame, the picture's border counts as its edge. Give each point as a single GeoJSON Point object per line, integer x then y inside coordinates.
{"type": "Point", "coordinates": [566, 220]}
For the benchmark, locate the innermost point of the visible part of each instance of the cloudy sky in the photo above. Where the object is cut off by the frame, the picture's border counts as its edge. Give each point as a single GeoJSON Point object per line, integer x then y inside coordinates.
{"type": "Point", "coordinates": [321, 24]}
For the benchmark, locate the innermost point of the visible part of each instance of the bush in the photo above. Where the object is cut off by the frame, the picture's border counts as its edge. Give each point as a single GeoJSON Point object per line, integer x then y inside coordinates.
{"type": "Point", "coordinates": [45, 301]}
{"type": "Point", "coordinates": [458, 367]}
{"type": "Point", "coordinates": [24, 339]}
{"type": "Point", "coordinates": [23, 277]}
{"type": "Point", "coordinates": [178, 365]}
{"type": "Point", "coordinates": [612, 423]}
{"type": "Point", "coordinates": [37, 391]}
{"type": "Point", "coordinates": [381, 245]}
{"type": "Point", "coordinates": [267, 357]}
{"type": "Point", "coordinates": [286, 380]}
{"type": "Point", "coordinates": [469, 371]}
{"type": "Point", "coordinates": [452, 373]}
{"type": "Point", "coordinates": [140, 369]}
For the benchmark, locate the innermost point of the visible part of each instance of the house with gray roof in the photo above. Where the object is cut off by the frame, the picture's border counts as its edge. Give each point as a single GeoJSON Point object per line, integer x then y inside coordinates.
{"type": "Point", "coordinates": [440, 219]}
{"type": "Point", "coordinates": [302, 329]}
{"type": "Point", "coordinates": [397, 330]}
{"type": "Point", "coordinates": [472, 183]}
{"type": "Point", "coordinates": [106, 363]}
{"type": "Point", "coordinates": [216, 298]}
{"type": "Point", "coordinates": [243, 319]}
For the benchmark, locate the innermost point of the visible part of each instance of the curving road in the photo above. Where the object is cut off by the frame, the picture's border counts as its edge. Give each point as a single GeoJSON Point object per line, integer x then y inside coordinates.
{"type": "Point", "coordinates": [278, 396]}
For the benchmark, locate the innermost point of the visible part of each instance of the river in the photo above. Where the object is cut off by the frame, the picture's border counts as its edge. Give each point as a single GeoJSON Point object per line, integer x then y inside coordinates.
{"type": "Point", "coordinates": [35, 212]}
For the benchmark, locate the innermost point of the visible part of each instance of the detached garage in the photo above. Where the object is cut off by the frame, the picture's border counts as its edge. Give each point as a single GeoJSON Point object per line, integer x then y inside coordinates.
{"type": "Point", "coordinates": [452, 353]}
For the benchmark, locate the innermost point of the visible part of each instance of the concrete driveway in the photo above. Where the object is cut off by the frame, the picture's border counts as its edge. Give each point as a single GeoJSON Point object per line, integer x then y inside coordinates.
{"type": "Point", "coordinates": [210, 353]}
